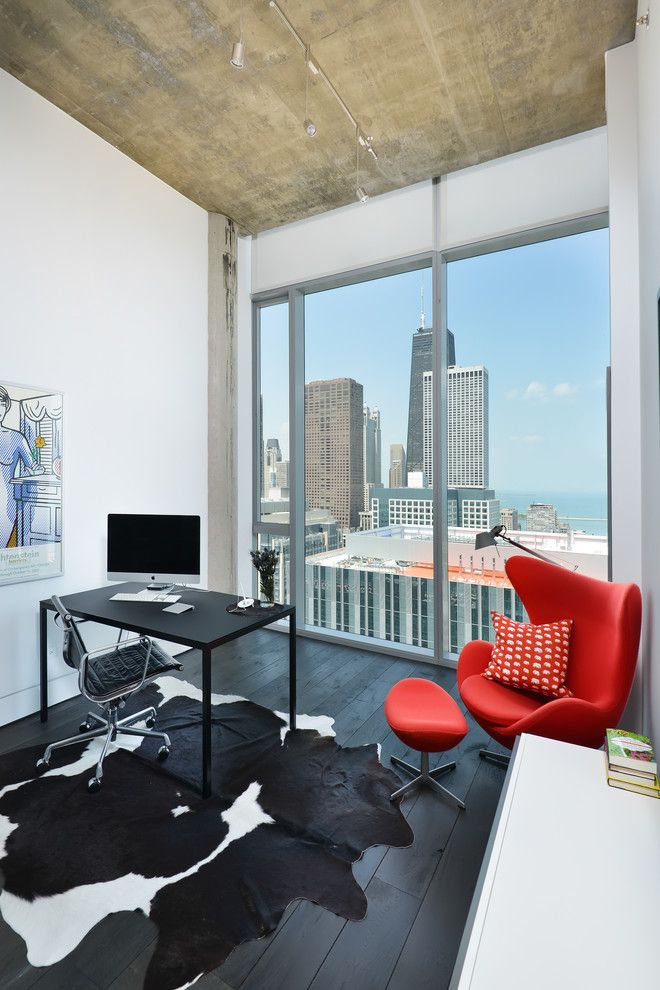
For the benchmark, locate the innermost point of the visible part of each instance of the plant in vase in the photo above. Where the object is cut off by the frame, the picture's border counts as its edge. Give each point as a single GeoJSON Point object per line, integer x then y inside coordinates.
{"type": "Point", "coordinates": [265, 563]}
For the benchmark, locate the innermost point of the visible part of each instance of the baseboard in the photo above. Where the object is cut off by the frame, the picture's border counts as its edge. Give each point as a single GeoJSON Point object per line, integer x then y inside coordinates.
{"type": "Point", "coordinates": [27, 702]}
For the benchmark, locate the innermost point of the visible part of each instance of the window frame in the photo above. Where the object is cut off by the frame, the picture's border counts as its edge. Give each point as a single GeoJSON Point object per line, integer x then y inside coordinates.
{"type": "Point", "coordinates": [294, 294]}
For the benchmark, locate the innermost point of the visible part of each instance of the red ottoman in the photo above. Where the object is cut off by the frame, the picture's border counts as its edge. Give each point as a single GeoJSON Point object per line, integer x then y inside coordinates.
{"type": "Point", "coordinates": [426, 718]}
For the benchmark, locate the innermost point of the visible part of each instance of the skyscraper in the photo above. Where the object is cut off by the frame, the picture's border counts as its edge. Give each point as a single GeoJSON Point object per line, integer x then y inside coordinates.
{"type": "Point", "coordinates": [272, 457]}
{"type": "Point", "coordinates": [421, 362]}
{"type": "Point", "coordinates": [334, 455]}
{"type": "Point", "coordinates": [398, 469]}
{"type": "Point", "coordinates": [542, 518]}
{"type": "Point", "coordinates": [509, 518]}
{"type": "Point", "coordinates": [467, 427]}
{"type": "Point", "coordinates": [371, 446]}
{"type": "Point", "coordinates": [427, 426]}
{"type": "Point", "coordinates": [371, 452]}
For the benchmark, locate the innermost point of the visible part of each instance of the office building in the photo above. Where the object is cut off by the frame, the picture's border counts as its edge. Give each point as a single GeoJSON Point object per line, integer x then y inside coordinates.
{"type": "Point", "coordinates": [205, 206]}
{"type": "Point", "coordinates": [467, 427]}
{"type": "Point", "coordinates": [272, 457]}
{"type": "Point", "coordinates": [473, 508]}
{"type": "Point", "coordinates": [334, 453]}
{"type": "Point", "coordinates": [509, 518]}
{"type": "Point", "coordinates": [427, 426]}
{"type": "Point", "coordinates": [371, 449]}
{"type": "Point", "coordinates": [541, 517]}
{"type": "Point", "coordinates": [421, 363]}
{"type": "Point", "coordinates": [282, 474]}
{"type": "Point", "coordinates": [398, 471]}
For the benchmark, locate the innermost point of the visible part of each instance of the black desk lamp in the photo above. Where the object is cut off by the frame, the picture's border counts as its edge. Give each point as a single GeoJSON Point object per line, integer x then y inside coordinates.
{"type": "Point", "coordinates": [489, 539]}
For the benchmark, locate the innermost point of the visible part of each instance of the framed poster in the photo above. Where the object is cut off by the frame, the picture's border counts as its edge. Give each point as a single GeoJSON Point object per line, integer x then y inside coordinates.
{"type": "Point", "coordinates": [30, 483]}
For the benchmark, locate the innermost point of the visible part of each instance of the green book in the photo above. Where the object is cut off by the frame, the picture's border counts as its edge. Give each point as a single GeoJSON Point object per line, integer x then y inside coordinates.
{"type": "Point", "coordinates": [631, 752]}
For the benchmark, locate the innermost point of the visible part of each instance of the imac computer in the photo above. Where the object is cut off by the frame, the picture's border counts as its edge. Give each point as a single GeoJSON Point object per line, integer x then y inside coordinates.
{"type": "Point", "coordinates": [161, 550]}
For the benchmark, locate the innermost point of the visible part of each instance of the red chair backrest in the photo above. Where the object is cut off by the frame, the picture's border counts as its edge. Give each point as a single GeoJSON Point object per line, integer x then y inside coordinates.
{"type": "Point", "coordinates": [607, 620]}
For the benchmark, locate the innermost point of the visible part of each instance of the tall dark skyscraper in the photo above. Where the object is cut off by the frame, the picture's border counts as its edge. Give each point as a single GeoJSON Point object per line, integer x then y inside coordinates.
{"type": "Point", "coordinates": [421, 361]}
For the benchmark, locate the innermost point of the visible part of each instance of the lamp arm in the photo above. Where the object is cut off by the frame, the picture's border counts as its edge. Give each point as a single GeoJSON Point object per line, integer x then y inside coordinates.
{"type": "Point", "coordinates": [534, 553]}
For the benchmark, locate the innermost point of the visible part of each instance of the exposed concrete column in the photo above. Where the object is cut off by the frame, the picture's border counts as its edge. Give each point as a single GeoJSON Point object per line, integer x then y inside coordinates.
{"type": "Point", "coordinates": [222, 405]}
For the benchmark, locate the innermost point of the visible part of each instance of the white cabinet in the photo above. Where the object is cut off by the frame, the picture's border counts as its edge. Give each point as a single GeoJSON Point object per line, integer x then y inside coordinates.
{"type": "Point", "coordinates": [569, 892]}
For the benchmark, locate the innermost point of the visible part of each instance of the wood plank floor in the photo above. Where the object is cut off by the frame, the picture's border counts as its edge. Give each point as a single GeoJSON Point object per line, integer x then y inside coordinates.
{"type": "Point", "coordinates": [418, 897]}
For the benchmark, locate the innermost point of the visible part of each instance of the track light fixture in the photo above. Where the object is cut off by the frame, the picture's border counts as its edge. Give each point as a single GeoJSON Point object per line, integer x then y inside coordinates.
{"type": "Point", "coordinates": [238, 49]}
{"type": "Point", "coordinates": [365, 141]}
{"type": "Point", "coordinates": [237, 55]}
{"type": "Point", "coordinates": [361, 195]}
{"type": "Point", "coordinates": [308, 123]}
{"type": "Point", "coordinates": [362, 140]}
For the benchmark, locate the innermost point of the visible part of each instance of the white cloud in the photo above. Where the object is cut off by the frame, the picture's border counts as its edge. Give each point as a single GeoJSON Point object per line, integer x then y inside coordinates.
{"type": "Point", "coordinates": [528, 438]}
{"type": "Point", "coordinates": [535, 390]}
{"type": "Point", "coordinates": [563, 389]}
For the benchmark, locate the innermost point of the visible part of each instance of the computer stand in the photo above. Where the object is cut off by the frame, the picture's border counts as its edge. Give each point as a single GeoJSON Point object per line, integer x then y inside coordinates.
{"type": "Point", "coordinates": [160, 587]}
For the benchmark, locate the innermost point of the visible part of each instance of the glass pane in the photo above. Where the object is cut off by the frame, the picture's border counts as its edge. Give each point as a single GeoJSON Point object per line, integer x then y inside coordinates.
{"type": "Point", "coordinates": [282, 586]}
{"type": "Point", "coordinates": [526, 418]}
{"type": "Point", "coordinates": [273, 427]}
{"type": "Point", "coordinates": [368, 470]}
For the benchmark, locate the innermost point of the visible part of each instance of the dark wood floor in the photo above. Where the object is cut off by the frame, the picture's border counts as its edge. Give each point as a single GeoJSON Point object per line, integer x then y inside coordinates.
{"type": "Point", "coordinates": [418, 897]}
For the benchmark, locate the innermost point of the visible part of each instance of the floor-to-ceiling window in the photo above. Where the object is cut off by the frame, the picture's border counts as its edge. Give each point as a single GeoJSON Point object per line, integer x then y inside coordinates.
{"type": "Point", "coordinates": [379, 459]}
{"type": "Point", "coordinates": [368, 478]}
{"type": "Point", "coordinates": [272, 438]}
{"type": "Point", "coordinates": [526, 417]}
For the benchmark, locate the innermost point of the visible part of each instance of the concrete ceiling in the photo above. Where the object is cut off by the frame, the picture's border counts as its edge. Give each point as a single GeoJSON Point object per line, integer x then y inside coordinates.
{"type": "Point", "coordinates": [440, 84]}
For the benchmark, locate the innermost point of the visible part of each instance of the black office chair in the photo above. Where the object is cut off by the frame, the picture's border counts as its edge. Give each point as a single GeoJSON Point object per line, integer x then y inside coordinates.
{"type": "Point", "coordinates": [108, 677]}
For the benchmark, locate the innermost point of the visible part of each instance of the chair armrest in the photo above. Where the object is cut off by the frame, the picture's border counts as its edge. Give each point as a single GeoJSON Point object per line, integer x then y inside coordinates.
{"type": "Point", "coordinates": [91, 654]}
{"type": "Point", "coordinates": [572, 720]}
{"type": "Point", "coordinates": [474, 659]}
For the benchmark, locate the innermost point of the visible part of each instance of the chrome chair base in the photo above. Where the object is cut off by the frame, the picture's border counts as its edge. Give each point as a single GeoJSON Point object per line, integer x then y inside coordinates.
{"type": "Point", "coordinates": [110, 727]}
{"type": "Point", "coordinates": [499, 759]}
{"type": "Point", "coordinates": [422, 776]}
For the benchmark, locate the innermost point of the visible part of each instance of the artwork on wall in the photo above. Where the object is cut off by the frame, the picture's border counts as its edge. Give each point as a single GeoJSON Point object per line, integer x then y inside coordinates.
{"type": "Point", "coordinates": [30, 483]}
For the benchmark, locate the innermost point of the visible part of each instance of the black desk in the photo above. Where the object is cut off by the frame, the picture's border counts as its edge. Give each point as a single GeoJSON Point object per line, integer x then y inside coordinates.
{"type": "Point", "coordinates": [205, 628]}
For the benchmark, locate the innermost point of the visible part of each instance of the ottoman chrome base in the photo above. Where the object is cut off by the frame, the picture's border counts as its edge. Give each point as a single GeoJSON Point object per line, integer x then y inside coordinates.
{"type": "Point", "coordinates": [422, 776]}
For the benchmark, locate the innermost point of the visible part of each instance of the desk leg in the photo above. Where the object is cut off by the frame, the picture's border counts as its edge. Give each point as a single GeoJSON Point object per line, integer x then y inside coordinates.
{"type": "Point", "coordinates": [292, 670]}
{"type": "Point", "coordinates": [43, 661]}
{"type": "Point", "coordinates": [206, 723]}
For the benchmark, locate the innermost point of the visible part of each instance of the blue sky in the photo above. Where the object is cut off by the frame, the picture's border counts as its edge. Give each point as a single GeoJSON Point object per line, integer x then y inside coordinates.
{"type": "Point", "coordinates": [537, 317]}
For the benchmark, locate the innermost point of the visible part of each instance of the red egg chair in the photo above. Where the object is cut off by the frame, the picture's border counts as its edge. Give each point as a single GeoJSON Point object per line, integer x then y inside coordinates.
{"type": "Point", "coordinates": [601, 666]}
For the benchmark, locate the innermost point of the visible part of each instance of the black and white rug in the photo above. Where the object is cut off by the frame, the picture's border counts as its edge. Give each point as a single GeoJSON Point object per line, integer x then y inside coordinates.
{"type": "Point", "coordinates": [292, 812]}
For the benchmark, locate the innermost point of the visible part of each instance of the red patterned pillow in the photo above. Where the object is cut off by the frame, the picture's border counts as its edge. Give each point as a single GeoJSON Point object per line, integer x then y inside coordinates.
{"type": "Point", "coordinates": [532, 658]}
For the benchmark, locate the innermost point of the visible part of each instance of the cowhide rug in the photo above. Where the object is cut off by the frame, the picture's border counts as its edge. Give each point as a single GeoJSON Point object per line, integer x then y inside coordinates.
{"type": "Point", "coordinates": [291, 813]}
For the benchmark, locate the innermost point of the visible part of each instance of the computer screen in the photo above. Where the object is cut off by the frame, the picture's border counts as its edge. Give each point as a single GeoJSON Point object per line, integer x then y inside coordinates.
{"type": "Point", "coordinates": [156, 548]}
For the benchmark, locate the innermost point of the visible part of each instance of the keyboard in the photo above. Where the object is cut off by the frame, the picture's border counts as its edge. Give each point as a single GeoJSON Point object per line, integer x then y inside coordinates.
{"type": "Point", "coordinates": [146, 596]}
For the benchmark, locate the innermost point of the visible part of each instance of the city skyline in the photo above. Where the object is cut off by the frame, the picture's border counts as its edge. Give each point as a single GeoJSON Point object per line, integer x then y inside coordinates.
{"type": "Point", "coordinates": [538, 386]}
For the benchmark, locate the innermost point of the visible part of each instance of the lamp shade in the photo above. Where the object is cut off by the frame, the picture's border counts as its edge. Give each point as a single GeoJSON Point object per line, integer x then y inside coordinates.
{"type": "Point", "coordinates": [488, 539]}
{"type": "Point", "coordinates": [484, 540]}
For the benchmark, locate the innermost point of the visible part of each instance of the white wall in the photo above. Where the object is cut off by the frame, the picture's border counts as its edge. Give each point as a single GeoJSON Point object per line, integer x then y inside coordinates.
{"type": "Point", "coordinates": [104, 296]}
{"type": "Point", "coordinates": [621, 99]}
{"type": "Point", "coordinates": [648, 124]}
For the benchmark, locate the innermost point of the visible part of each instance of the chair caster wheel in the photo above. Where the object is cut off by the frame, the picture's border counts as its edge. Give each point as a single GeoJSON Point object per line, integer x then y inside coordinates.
{"type": "Point", "coordinates": [84, 727]}
{"type": "Point", "coordinates": [150, 722]}
{"type": "Point", "coordinates": [163, 753]}
{"type": "Point", "coordinates": [42, 765]}
{"type": "Point", "coordinates": [93, 785]}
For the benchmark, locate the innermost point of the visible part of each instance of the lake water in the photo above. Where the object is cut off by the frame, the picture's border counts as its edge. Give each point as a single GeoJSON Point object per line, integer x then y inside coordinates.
{"type": "Point", "coordinates": [583, 511]}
